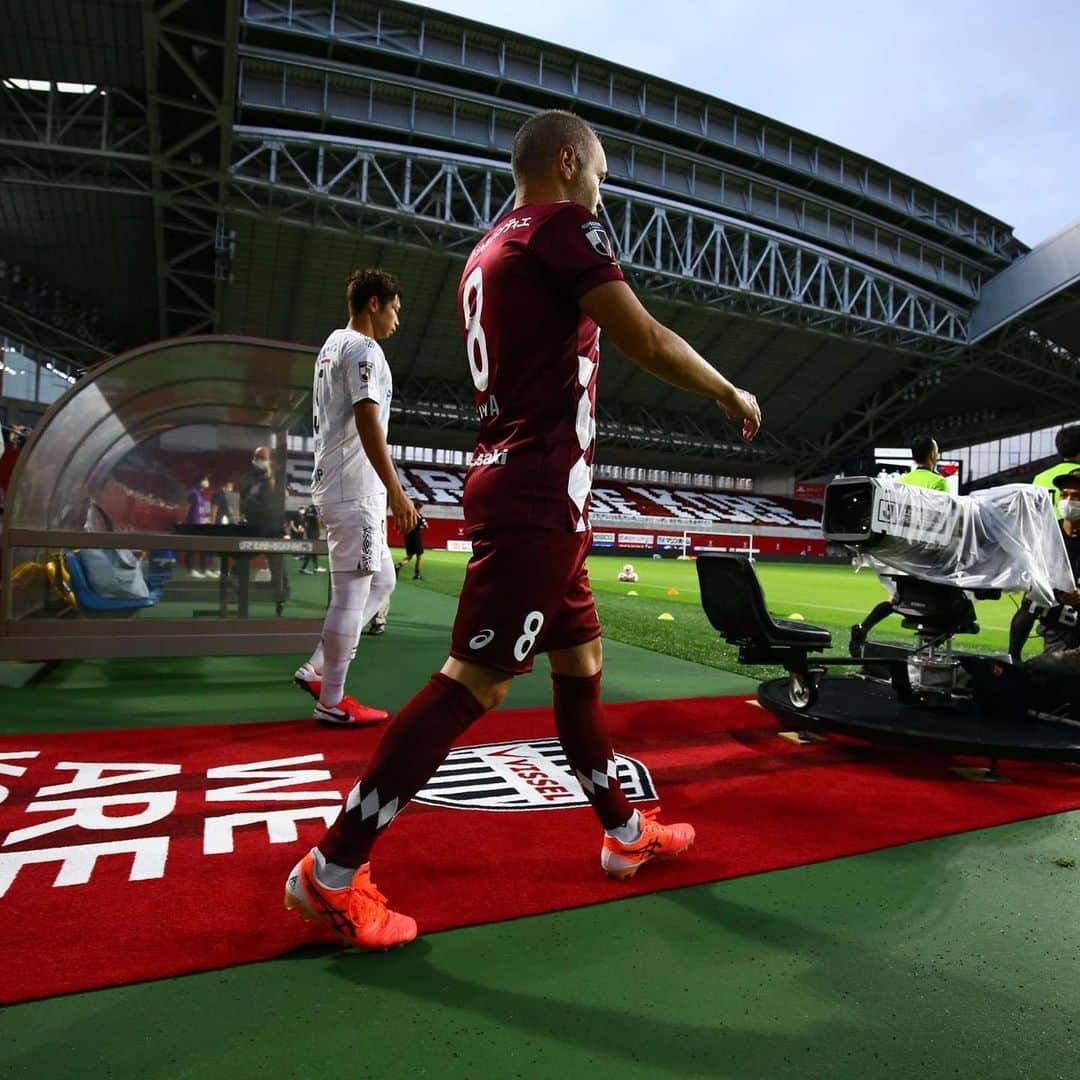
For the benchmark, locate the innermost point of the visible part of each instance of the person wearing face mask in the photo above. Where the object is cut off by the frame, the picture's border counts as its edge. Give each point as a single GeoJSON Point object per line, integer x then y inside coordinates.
{"type": "Point", "coordinates": [925, 454]}
{"type": "Point", "coordinates": [258, 502]}
{"type": "Point", "coordinates": [262, 508]}
{"type": "Point", "coordinates": [1067, 442]}
{"type": "Point", "coordinates": [1060, 625]}
{"type": "Point", "coordinates": [199, 511]}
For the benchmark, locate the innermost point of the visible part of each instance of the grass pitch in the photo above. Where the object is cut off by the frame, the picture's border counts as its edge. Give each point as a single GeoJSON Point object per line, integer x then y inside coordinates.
{"type": "Point", "coordinates": [833, 597]}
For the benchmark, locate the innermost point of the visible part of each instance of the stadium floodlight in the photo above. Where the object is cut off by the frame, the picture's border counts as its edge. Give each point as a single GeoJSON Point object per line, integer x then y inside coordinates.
{"type": "Point", "coordinates": [43, 86]}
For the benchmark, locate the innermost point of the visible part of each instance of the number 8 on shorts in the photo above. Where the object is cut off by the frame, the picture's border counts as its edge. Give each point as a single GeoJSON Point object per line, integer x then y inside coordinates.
{"type": "Point", "coordinates": [534, 623]}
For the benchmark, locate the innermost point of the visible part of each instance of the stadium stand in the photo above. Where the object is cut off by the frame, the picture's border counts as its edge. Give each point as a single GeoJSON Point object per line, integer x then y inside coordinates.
{"type": "Point", "coordinates": [631, 517]}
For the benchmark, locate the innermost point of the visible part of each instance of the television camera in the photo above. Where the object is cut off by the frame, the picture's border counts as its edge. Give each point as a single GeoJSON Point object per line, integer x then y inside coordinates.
{"type": "Point", "coordinates": [939, 555]}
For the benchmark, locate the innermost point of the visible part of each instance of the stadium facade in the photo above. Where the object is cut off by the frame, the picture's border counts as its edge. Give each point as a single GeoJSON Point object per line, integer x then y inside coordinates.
{"type": "Point", "coordinates": [218, 167]}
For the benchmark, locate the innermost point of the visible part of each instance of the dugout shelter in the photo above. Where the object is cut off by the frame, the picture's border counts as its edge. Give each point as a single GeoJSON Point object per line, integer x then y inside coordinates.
{"type": "Point", "coordinates": [109, 468]}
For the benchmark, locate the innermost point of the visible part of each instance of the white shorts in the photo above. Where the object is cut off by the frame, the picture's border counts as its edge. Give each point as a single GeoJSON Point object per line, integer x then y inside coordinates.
{"type": "Point", "coordinates": [356, 534]}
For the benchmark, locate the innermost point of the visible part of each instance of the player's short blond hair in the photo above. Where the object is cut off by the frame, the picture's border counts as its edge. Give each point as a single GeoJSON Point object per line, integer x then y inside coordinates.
{"type": "Point", "coordinates": [541, 137]}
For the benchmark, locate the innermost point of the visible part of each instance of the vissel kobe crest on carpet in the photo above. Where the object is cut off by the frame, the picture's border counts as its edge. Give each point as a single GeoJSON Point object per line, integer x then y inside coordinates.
{"type": "Point", "coordinates": [531, 775]}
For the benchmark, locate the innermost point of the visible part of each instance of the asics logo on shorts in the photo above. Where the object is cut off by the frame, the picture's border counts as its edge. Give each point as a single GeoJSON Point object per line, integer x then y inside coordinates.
{"type": "Point", "coordinates": [485, 637]}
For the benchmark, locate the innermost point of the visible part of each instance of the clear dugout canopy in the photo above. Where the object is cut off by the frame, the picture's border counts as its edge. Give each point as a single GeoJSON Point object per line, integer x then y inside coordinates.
{"type": "Point", "coordinates": [137, 433]}
{"type": "Point", "coordinates": [118, 464]}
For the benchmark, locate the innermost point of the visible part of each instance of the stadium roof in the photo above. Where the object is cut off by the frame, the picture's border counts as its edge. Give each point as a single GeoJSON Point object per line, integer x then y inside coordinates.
{"type": "Point", "coordinates": [1043, 286]}
{"type": "Point", "coordinates": [220, 167]}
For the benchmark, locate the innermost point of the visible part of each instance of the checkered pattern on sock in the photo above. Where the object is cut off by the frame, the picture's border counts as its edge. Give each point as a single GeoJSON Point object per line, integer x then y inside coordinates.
{"type": "Point", "coordinates": [414, 745]}
{"type": "Point", "coordinates": [579, 720]}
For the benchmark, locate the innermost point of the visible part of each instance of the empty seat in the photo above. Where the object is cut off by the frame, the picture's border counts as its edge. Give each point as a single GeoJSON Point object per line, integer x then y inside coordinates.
{"type": "Point", "coordinates": [93, 602]}
{"type": "Point", "coordinates": [735, 605]}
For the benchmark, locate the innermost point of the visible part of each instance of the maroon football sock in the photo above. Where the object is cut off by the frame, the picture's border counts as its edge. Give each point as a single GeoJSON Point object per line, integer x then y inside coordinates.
{"type": "Point", "coordinates": [580, 723]}
{"type": "Point", "coordinates": [414, 745]}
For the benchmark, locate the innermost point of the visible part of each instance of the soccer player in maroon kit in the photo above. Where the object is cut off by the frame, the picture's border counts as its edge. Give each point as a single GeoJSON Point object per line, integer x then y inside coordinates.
{"type": "Point", "coordinates": [534, 296]}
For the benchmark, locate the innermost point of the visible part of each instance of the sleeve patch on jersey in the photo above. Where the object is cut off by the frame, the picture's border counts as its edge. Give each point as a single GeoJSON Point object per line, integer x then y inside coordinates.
{"type": "Point", "coordinates": [598, 237]}
{"type": "Point", "coordinates": [366, 370]}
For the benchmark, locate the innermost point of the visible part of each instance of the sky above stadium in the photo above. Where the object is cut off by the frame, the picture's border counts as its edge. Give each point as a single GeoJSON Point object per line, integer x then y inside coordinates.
{"type": "Point", "coordinates": [980, 100]}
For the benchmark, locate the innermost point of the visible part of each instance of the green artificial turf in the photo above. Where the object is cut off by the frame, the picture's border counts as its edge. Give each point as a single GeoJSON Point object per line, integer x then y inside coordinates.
{"type": "Point", "coordinates": [825, 595]}
{"type": "Point", "coordinates": [388, 670]}
{"type": "Point", "coordinates": [950, 958]}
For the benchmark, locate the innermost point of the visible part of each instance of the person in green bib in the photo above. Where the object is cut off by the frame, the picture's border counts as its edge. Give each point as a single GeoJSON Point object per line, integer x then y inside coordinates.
{"type": "Point", "coordinates": [1067, 442]}
{"type": "Point", "coordinates": [925, 454]}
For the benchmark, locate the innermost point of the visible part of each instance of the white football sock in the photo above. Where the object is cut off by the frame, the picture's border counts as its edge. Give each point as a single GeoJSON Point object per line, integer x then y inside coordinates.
{"type": "Point", "coordinates": [629, 831]}
{"type": "Point", "coordinates": [331, 875]}
{"type": "Point", "coordinates": [317, 659]}
{"type": "Point", "coordinates": [382, 585]}
{"type": "Point", "coordinates": [341, 631]}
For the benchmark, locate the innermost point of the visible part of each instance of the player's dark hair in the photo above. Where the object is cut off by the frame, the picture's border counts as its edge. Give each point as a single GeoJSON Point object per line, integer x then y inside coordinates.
{"type": "Point", "coordinates": [362, 285]}
{"type": "Point", "coordinates": [1067, 442]}
{"type": "Point", "coordinates": [541, 137]}
{"type": "Point", "coordinates": [922, 446]}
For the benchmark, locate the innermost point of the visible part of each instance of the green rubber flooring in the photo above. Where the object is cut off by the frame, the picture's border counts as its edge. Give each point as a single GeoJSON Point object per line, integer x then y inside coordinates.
{"type": "Point", "coordinates": [957, 957]}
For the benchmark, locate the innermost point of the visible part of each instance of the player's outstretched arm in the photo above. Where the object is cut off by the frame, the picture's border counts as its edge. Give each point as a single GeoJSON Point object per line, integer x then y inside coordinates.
{"type": "Point", "coordinates": [366, 414]}
{"type": "Point", "coordinates": [661, 352]}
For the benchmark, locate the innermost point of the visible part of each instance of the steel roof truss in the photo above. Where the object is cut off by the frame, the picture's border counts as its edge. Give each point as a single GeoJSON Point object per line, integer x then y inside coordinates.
{"type": "Point", "coordinates": [400, 29]}
{"type": "Point", "coordinates": [691, 247]}
{"type": "Point", "coordinates": [191, 77]}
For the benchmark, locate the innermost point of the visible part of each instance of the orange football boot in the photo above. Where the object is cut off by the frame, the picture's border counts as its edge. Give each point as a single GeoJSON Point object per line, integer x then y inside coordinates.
{"type": "Point", "coordinates": [656, 841]}
{"type": "Point", "coordinates": [348, 712]}
{"type": "Point", "coordinates": [357, 913]}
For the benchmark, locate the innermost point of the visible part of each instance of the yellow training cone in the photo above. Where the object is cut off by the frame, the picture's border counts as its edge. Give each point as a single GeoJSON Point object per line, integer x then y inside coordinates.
{"type": "Point", "coordinates": [666, 617]}
{"type": "Point", "coordinates": [631, 593]}
{"type": "Point", "coordinates": [795, 615]}
{"type": "Point", "coordinates": [673, 592]}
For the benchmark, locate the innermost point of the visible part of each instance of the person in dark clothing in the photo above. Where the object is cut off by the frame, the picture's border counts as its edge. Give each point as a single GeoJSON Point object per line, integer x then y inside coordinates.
{"type": "Point", "coordinates": [262, 509]}
{"type": "Point", "coordinates": [225, 505]}
{"type": "Point", "coordinates": [310, 522]}
{"type": "Point", "coordinates": [198, 513]}
{"type": "Point", "coordinates": [1059, 625]}
{"type": "Point", "coordinates": [414, 545]}
{"type": "Point", "coordinates": [259, 501]}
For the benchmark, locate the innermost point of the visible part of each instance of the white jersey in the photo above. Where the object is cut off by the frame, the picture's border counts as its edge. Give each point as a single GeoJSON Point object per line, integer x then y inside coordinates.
{"type": "Point", "coordinates": [350, 368]}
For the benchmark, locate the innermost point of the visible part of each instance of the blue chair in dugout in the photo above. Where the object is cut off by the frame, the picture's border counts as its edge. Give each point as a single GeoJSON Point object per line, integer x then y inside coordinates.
{"type": "Point", "coordinates": [93, 602]}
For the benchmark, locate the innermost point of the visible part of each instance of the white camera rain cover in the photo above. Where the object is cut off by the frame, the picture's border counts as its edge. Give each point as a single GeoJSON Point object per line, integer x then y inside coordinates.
{"type": "Point", "coordinates": [1002, 538]}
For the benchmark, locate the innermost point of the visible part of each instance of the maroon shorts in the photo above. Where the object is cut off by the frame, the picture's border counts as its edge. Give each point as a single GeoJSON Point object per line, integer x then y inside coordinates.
{"type": "Point", "coordinates": [525, 591]}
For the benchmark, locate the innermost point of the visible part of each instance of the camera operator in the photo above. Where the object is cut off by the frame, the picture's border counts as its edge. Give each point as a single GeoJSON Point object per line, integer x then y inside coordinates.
{"type": "Point", "coordinates": [1059, 625]}
{"type": "Point", "coordinates": [1067, 442]}
{"type": "Point", "coordinates": [923, 473]}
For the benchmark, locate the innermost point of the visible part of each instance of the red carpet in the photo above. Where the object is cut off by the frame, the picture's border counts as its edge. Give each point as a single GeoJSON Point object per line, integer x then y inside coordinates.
{"type": "Point", "coordinates": [172, 857]}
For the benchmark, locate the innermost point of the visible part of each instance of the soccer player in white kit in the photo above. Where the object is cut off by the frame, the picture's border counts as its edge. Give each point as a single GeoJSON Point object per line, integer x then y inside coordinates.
{"type": "Point", "coordinates": [353, 481]}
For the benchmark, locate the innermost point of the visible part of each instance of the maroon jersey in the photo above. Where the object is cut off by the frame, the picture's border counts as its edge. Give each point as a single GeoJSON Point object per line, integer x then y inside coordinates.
{"type": "Point", "coordinates": [533, 356]}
